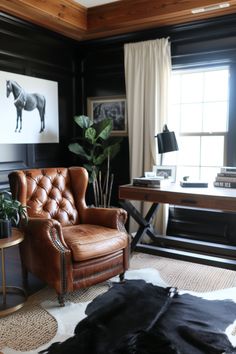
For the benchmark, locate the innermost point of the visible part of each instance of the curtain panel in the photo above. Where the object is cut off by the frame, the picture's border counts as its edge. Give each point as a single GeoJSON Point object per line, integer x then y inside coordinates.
{"type": "Point", "coordinates": [147, 77]}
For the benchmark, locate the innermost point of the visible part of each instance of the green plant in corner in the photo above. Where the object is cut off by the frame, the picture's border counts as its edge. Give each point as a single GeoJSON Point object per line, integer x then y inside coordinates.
{"type": "Point", "coordinates": [96, 148]}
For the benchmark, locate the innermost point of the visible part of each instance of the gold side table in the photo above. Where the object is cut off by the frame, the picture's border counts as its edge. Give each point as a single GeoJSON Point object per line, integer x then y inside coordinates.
{"type": "Point", "coordinates": [12, 298]}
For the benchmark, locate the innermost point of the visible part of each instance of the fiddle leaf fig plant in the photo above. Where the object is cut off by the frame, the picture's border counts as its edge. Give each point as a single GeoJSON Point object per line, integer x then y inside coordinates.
{"type": "Point", "coordinates": [96, 148]}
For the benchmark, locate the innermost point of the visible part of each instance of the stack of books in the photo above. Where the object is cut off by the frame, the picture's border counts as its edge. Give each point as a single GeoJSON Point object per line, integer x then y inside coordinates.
{"type": "Point", "coordinates": [226, 178]}
{"type": "Point", "coordinates": [151, 182]}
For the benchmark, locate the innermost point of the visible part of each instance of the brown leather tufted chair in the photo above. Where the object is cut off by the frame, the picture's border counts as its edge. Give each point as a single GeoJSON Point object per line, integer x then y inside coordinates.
{"type": "Point", "coordinates": [68, 245]}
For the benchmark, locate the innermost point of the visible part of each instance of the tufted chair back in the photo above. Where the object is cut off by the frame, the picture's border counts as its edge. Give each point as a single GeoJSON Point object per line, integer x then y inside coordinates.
{"type": "Point", "coordinates": [48, 194]}
{"type": "Point", "coordinates": [67, 244]}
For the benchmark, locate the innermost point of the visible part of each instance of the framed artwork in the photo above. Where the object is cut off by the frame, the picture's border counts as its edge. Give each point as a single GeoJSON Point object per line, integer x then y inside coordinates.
{"type": "Point", "coordinates": [113, 107]}
{"type": "Point", "coordinates": [29, 107]}
{"type": "Point", "coordinates": [166, 171]}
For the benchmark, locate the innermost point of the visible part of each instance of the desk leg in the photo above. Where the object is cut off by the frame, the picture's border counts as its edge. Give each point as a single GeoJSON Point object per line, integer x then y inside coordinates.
{"type": "Point", "coordinates": [144, 222]}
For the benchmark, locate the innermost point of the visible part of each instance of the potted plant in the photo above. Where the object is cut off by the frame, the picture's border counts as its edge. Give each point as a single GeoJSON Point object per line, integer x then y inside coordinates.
{"type": "Point", "coordinates": [96, 148]}
{"type": "Point", "coordinates": [11, 211]}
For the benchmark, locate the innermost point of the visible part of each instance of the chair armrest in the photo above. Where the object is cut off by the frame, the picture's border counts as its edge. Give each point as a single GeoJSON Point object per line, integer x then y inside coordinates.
{"type": "Point", "coordinates": [45, 254]}
{"type": "Point", "coordinates": [114, 218]}
{"type": "Point", "coordinates": [46, 230]}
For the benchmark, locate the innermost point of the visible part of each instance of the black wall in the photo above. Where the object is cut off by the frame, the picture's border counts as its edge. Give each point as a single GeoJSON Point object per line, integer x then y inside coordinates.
{"type": "Point", "coordinates": [101, 74]}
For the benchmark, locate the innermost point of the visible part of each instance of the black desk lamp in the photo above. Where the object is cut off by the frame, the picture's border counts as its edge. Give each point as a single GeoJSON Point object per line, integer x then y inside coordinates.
{"type": "Point", "coordinates": [166, 142]}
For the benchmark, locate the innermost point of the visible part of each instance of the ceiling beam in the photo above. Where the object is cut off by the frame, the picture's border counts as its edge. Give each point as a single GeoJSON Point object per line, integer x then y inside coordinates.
{"type": "Point", "coordinates": [75, 21]}
{"type": "Point", "coordinates": [62, 16]}
{"type": "Point", "coordinates": [131, 15]}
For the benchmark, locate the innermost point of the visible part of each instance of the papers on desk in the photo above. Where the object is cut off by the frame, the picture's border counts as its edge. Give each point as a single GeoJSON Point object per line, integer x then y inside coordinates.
{"type": "Point", "coordinates": [151, 182]}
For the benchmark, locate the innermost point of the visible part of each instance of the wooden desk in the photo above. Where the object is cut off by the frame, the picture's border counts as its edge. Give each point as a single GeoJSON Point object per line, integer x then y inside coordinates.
{"type": "Point", "coordinates": [215, 254]}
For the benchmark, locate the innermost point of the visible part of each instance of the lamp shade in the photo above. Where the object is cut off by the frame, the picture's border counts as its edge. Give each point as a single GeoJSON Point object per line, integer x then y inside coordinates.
{"type": "Point", "coordinates": [166, 141]}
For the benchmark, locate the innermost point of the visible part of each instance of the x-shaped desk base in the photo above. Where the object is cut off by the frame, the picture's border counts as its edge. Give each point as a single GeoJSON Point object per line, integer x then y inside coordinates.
{"type": "Point", "coordinates": [145, 223]}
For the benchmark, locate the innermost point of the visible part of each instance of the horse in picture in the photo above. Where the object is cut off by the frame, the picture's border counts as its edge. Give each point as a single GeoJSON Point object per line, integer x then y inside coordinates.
{"type": "Point", "coordinates": [26, 101]}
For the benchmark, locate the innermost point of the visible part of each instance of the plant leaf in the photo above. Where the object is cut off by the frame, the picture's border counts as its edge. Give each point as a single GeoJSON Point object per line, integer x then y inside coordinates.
{"type": "Point", "coordinates": [104, 128]}
{"type": "Point", "coordinates": [113, 150]}
{"type": "Point", "coordinates": [90, 134]}
{"type": "Point", "coordinates": [83, 121]}
{"type": "Point", "coordinates": [79, 150]}
{"type": "Point", "coordinates": [100, 159]}
{"type": "Point", "coordinates": [88, 167]}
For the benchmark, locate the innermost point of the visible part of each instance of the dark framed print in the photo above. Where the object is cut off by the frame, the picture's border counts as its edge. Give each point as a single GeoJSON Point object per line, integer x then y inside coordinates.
{"type": "Point", "coordinates": [113, 107]}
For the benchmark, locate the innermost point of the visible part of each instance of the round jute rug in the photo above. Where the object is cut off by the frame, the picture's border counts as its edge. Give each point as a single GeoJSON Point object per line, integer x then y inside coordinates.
{"type": "Point", "coordinates": [32, 326]}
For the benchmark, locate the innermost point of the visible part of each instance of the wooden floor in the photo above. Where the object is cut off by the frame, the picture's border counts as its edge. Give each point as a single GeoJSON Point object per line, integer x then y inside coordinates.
{"type": "Point", "coordinates": [13, 271]}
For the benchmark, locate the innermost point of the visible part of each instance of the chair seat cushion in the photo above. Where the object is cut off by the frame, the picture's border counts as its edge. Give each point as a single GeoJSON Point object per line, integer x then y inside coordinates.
{"type": "Point", "coordinates": [91, 241]}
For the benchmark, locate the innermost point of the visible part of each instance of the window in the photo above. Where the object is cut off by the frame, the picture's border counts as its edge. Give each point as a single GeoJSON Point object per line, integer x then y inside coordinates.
{"type": "Point", "coordinates": [199, 116]}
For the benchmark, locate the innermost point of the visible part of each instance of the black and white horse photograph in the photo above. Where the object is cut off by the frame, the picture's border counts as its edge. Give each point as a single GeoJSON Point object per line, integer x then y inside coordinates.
{"type": "Point", "coordinates": [26, 101]}
{"type": "Point", "coordinates": [29, 106]}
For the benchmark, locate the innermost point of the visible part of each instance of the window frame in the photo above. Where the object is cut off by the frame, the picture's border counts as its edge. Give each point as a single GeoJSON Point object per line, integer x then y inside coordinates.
{"type": "Point", "coordinates": [191, 67]}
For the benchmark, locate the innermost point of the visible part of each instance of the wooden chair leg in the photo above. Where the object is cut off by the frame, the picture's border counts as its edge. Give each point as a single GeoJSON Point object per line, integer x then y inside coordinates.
{"type": "Point", "coordinates": [122, 277]}
{"type": "Point", "coordinates": [61, 299]}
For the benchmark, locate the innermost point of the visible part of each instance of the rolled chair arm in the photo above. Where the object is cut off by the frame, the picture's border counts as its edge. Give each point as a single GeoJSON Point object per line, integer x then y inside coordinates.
{"type": "Point", "coordinates": [45, 230]}
{"type": "Point", "coordinates": [45, 253]}
{"type": "Point", "coordinates": [114, 218]}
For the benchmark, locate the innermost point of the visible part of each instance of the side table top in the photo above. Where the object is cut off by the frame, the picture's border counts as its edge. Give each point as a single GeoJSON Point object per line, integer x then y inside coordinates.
{"type": "Point", "coordinates": [16, 237]}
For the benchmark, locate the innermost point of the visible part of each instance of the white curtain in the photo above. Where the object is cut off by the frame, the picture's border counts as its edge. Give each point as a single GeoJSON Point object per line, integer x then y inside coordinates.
{"type": "Point", "coordinates": [147, 76]}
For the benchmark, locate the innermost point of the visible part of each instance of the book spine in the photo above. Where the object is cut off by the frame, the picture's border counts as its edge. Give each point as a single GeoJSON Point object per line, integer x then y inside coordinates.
{"type": "Point", "coordinates": [146, 184]}
{"type": "Point", "coordinates": [225, 179]}
{"type": "Point", "coordinates": [228, 169]}
{"type": "Point", "coordinates": [225, 184]}
{"type": "Point", "coordinates": [226, 174]}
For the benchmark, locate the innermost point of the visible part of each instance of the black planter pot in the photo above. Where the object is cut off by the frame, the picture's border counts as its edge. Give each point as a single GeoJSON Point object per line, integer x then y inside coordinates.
{"type": "Point", "coordinates": [5, 228]}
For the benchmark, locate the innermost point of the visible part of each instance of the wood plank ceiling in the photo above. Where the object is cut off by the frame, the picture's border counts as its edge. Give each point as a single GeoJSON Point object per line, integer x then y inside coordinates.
{"type": "Point", "coordinates": [75, 21]}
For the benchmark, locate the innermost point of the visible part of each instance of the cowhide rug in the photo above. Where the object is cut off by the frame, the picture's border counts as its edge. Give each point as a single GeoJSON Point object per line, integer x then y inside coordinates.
{"type": "Point", "coordinates": [69, 316]}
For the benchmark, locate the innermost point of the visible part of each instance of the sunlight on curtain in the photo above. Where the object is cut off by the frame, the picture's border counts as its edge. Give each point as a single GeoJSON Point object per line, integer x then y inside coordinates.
{"type": "Point", "coordinates": [147, 75]}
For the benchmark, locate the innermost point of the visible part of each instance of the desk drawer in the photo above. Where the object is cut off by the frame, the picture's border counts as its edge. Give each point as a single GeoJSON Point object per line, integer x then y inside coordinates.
{"type": "Point", "coordinates": [200, 201]}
